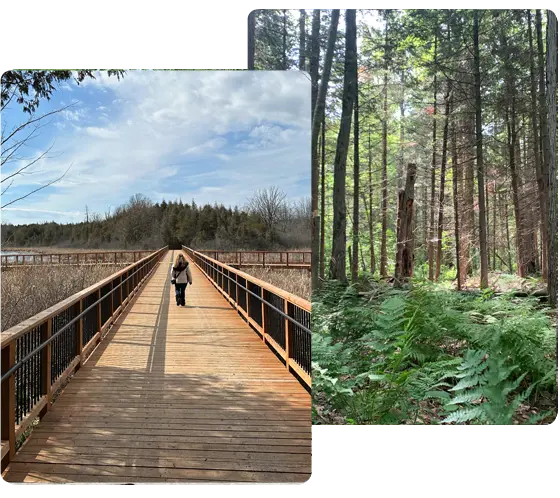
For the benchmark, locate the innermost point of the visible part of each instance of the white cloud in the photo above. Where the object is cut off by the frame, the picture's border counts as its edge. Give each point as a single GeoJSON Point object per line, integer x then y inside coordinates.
{"type": "Point", "coordinates": [95, 131]}
{"type": "Point", "coordinates": [181, 118]}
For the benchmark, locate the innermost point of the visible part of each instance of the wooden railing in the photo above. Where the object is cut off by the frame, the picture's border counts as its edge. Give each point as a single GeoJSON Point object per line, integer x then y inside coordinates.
{"type": "Point", "coordinates": [281, 259]}
{"type": "Point", "coordinates": [40, 353]}
{"type": "Point", "coordinates": [282, 319]}
{"type": "Point", "coordinates": [69, 258]}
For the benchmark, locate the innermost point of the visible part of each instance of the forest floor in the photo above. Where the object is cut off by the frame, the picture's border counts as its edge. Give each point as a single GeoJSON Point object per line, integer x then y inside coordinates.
{"type": "Point", "coordinates": [29, 290]}
{"type": "Point", "coordinates": [430, 355]}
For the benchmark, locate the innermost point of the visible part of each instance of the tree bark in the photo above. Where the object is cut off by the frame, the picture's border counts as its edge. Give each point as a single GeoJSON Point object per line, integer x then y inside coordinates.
{"type": "Point", "coordinates": [432, 234]}
{"type": "Point", "coordinates": [404, 261]}
{"type": "Point", "coordinates": [302, 36]}
{"type": "Point", "coordinates": [251, 41]}
{"type": "Point", "coordinates": [318, 118]}
{"type": "Point", "coordinates": [441, 198]}
{"type": "Point", "coordinates": [314, 54]}
{"type": "Point", "coordinates": [370, 216]}
{"type": "Point", "coordinates": [456, 204]}
{"type": "Point", "coordinates": [338, 260]}
{"type": "Point", "coordinates": [322, 242]}
{"type": "Point", "coordinates": [480, 162]}
{"type": "Point", "coordinates": [356, 213]}
{"type": "Point", "coordinates": [384, 192]}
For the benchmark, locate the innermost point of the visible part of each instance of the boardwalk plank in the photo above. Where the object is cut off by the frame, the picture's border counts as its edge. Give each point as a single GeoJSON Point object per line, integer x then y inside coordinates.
{"type": "Point", "coordinates": [174, 394]}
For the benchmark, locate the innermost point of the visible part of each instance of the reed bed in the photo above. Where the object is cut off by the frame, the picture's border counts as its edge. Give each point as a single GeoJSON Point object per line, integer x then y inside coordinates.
{"type": "Point", "coordinates": [297, 282]}
{"type": "Point", "coordinates": [30, 290]}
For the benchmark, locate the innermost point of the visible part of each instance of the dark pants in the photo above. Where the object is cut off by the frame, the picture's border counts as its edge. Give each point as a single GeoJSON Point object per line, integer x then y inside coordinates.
{"type": "Point", "coordinates": [180, 293]}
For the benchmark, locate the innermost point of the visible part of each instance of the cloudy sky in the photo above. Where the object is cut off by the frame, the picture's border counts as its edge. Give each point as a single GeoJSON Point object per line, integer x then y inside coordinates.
{"type": "Point", "coordinates": [211, 136]}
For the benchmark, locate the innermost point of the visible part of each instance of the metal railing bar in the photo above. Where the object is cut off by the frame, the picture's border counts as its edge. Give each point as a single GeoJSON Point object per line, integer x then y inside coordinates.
{"type": "Point", "coordinates": [303, 327]}
{"type": "Point", "coordinates": [18, 365]}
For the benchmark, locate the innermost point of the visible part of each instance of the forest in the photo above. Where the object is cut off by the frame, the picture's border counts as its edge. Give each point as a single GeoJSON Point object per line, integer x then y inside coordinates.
{"type": "Point", "coordinates": [434, 200]}
{"type": "Point", "coordinates": [268, 221]}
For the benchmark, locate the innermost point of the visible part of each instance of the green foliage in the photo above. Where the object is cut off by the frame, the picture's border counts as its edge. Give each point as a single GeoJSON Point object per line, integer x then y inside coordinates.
{"type": "Point", "coordinates": [389, 356]}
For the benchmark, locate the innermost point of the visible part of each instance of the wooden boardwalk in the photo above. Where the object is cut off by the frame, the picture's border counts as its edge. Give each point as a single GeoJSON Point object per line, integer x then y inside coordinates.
{"type": "Point", "coordinates": [174, 394]}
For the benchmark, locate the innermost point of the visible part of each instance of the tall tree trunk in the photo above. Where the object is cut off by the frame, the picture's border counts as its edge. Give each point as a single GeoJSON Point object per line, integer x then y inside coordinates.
{"type": "Point", "coordinates": [284, 40]}
{"type": "Point", "coordinates": [318, 118]}
{"type": "Point", "coordinates": [302, 36]}
{"type": "Point", "coordinates": [552, 165]}
{"type": "Point", "coordinates": [251, 41]}
{"type": "Point", "coordinates": [400, 171]}
{"type": "Point", "coordinates": [323, 174]}
{"type": "Point", "coordinates": [314, 55]}
{"type": "Point", "coordinates": [384, 189]}
{"type": "Point", "coordinates": [338, 262]}
{"type": "Point", "coordinates": [480, 163]}
{"type": "Point", "coordinates": [404, 261]}
{"type": "Point", "coordinates": [456, 203]}
{"type": "Point", "coordinates": [370, 216]}
{"type": "Point", "coordinates": [432, 234]}
{"type": "Point", "coordinates": [441, 203]}
{"type": "Point", "coordinates": [356, 213]}
{"type": "Point", "coordinates": [512, 136]}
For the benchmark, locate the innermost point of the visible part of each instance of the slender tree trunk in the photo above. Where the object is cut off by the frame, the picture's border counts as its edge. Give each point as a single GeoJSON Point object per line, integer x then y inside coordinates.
{"type": "Point", "coordinates": [323, 174]}
{"type": "Point", "coordinates": [515, 191]}
{"type": "Point", "coordinates": [441, 203]}
{"type": "Point", "coordinates": [384, 189]}
{"type": "Point", "coordinates": [432, 234]}
{"type": "Point", "coordinates": [510, 262]}
{"type": "Point", "coordinates": [356, 213]}
{"type": "Point", "coordinates": [302, 36]}
{"type": "Point", "coordinates": [284, 40]}
{"type": "Point", "coordinates": [494, 231]}
{"type": "Point", "coordinates": [401, 166]}
{"type": "Point", "coordinates": [251, 41]}
{"type": "Point", "coordinates": [479, 162]}
{"type": "Point", "coordinates": [456, 202]}
{"type": "Point", "coordinates": [318, 118]}
{"type": "Point", "coordinates": [338, 262]}
{"type": "Point", "coordinates": [550, 140]}
{"type": "Point", "coordinates": [370, 217]}
{"type": "Point", "coordinates": [314, 55]}
{"type": "Point", "coordinates": [536, 153]}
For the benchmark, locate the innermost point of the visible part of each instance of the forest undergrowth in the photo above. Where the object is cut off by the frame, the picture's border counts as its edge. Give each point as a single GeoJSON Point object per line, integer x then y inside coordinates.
{"type": "Point", "coordinates": [429, 355]}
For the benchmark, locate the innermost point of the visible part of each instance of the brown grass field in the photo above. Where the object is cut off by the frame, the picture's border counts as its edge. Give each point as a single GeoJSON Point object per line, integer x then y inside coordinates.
{"type": "Point", "coordinates": [30, 290]}
{"type": "Point", "coordinates": [297, 282]}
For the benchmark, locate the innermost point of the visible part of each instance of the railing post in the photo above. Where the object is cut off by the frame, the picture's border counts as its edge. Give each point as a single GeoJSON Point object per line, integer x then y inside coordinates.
{"type": "Point", "coordinates": [46, 364]}
{"type": "Point", "coordinates": [8, 418]}
{"type": "Point", "coordinates": [287, 332]}
{"type": "Point", "coordinates": [80, 339]}
{"type": "Point", "coordinates": [99, 316]}
{"type": "Point", "coordinates": [262, 312]}
{"type": "Point", "coordinates": [115, 257]}
{"type": "Point", "coordinates": [287, 259]}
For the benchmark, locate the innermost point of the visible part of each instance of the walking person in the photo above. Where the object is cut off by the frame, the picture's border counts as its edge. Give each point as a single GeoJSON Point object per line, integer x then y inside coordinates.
{"type": "Point", "coordinates": [181, 276]}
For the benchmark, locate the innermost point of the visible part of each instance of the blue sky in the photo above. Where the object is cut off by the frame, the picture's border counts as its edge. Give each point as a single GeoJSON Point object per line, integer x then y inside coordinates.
{"type": "Point", "coordinates": [211, 136]}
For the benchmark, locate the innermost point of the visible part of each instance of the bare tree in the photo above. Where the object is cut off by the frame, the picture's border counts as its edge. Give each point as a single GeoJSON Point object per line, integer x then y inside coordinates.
{"type": "Point", "coordinates": [269, 205]}
{"type": "Point", "coordinates": [14, 140]}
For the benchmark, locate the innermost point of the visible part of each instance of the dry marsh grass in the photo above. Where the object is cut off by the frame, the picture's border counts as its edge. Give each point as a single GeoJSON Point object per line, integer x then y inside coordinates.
{"type": "Point", "coordinates": [30, 290]}
{"type": "Point", "coordinates": [297, 282]}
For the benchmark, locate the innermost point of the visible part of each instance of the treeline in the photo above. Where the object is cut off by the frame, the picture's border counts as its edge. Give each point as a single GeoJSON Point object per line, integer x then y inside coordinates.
{"type": "Point", "coordinates": [268, 222]}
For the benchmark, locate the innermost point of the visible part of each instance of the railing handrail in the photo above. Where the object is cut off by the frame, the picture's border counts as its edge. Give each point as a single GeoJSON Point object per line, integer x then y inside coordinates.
{"type": "Point", "coordinates": [78, 317]}
{"type": "Point", "coordinates": [292, 298]}
{"type": "Point", "coordinates": [235, 251]}
{"type": "Point", "coordinates": [93, 251]}
{"type": "Point", "coordinates": [26, 325]}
